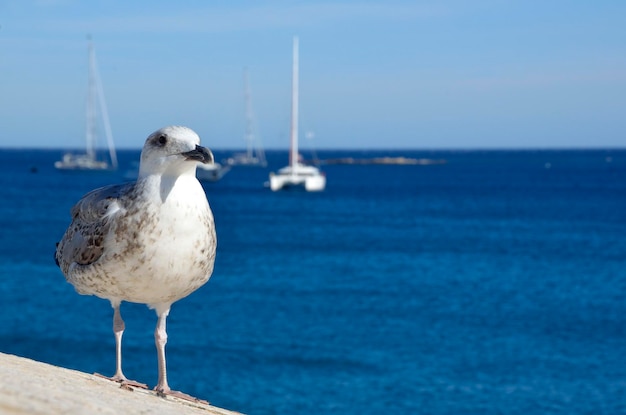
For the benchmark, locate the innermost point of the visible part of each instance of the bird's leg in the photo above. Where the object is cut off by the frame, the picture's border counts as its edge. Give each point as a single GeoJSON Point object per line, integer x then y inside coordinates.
{"type": "Point", "coordinates": [118, 330]}
{"type": "Point", "coordinates": [160, 339]}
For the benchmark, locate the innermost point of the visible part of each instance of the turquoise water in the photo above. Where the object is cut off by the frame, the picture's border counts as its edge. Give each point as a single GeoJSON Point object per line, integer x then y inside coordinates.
{"type": "Point", "coordinates": [492, 284]}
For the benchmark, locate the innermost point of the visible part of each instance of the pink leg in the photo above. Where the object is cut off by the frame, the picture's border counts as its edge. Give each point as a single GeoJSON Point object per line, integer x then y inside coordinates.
{"type": "Point", "coordinates": [160, 338]}
{"type": "Point", "coordinates": [118, 330]}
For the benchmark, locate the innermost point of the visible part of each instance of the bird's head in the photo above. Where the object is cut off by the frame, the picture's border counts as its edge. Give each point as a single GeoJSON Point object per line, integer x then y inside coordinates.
{"type": "Point", "coordinates": [174, 151]}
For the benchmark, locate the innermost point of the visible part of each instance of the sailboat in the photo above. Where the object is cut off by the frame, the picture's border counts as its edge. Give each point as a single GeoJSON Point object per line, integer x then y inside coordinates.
{"type": "Point", "coordinates": [296, 174]}
{"type": "Point", "coordinates": [95, 101]}
{"type": "Point", "coordinates": [254, 155]}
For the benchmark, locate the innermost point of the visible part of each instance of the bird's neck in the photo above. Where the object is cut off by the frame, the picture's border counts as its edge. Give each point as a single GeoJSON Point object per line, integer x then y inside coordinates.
{"type": "Point", "coordinates": [162, 185]}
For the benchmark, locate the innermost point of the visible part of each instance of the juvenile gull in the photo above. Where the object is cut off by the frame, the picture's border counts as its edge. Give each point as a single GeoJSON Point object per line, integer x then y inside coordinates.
{"type": "Point", "coordinates": [152, 241]}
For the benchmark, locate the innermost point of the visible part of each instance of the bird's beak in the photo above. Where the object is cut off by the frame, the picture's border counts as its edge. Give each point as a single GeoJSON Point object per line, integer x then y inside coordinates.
{"type": "Point", "coordinates": [201, 154]}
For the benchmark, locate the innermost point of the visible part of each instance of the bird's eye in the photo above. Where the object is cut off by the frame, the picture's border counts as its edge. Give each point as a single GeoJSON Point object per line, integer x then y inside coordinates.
{"type": "Point", "coordinates": [162, 140]}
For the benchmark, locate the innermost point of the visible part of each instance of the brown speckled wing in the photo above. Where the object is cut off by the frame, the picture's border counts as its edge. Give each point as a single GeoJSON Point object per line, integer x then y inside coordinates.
{"type": "Point", "coordinates": [83, 241]}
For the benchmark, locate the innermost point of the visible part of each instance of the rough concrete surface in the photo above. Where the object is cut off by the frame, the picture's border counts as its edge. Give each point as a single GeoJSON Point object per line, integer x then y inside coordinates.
{"type": "Point", "coordinates": [30, 387]}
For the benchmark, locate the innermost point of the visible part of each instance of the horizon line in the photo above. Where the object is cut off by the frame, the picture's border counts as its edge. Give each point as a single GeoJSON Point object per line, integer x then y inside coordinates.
{"type": "Point", "coordinates": [273, 149]}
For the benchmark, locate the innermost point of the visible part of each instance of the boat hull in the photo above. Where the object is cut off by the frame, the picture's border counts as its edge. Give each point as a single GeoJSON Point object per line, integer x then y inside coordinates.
{"type": "Point", "coordinates": [286, 182]}
{"type": "Point", "coordinates": [81, 162]}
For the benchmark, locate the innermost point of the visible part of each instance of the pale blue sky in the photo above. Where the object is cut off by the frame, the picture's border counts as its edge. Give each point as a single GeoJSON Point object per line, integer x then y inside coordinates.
{"type": "Point", "coordinates": [386, 74]}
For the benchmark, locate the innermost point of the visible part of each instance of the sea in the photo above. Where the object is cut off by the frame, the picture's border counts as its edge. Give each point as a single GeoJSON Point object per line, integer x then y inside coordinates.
{"type": "Point", "coordinates": [493, 283]}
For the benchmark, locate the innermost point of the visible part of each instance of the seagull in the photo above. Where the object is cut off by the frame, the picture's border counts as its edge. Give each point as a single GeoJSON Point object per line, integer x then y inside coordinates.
{"type": "Point", "coordinates": [151, 241]}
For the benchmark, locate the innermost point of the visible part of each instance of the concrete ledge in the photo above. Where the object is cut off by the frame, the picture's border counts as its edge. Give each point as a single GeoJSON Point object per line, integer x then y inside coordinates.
{"type": "Point", "coordinates": [30, 387]}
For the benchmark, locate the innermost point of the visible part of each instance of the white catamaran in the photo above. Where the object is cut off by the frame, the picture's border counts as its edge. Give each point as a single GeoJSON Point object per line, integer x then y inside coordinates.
{"type": "Point", "coordinates": [95, 102]}
{"type": "Point", "coordinates": [296, 174]}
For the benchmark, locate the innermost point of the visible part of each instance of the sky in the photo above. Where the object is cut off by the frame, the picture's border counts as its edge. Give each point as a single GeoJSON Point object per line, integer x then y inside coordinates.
{"type": "Point", "coordinates": [448, 74]}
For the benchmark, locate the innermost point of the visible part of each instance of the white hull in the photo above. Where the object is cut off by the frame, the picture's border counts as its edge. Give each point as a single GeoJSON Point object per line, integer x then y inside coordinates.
{"type": "Point", "coordinates": [80, 162]}
{"type": "Point", "coordinates": [310, 184]}
{"type": "Point", "coordinates": [306, 177]}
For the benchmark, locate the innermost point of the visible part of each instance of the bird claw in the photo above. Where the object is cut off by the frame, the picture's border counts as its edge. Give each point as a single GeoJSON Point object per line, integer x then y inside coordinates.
{"type": "Point", "coordinates": [124, 383]}
{"type": "Point", "coordinates": [134, 384]}
{"type": "Point", "coordinates": [180, 395]}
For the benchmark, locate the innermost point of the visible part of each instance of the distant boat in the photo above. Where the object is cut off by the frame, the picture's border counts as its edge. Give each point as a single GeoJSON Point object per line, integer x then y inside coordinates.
{"type": "Point", "coordinates": [254, 155]}
{"type": "Point", "coordinates": [204, 172]}
{"type": "Point", "coordinates": [296, 174]}
{"type": "Point", "coordinates": [211, 172]}
{"type": "Point", "coordinates": [95, 101]}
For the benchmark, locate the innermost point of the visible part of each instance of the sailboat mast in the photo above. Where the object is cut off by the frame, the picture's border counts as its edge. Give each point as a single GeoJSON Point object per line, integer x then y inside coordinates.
{"type": "Point", "coordinates": [293, 156]}
{"type": "Point", "coordinates": [249, 117]}
{"type": "Point", "coordinates": [105, 116]}
{"type": "Point", "coordinates": [90, 132]}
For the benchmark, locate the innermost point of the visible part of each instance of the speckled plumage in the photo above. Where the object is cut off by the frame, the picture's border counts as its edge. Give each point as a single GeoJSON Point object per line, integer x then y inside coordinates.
{"type": "Point", "coordinates": [152, 241]}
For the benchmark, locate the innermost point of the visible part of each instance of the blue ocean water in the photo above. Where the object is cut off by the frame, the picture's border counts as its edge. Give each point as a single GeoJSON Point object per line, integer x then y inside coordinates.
{"type": "Point", "coordinates": [494, 283]}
